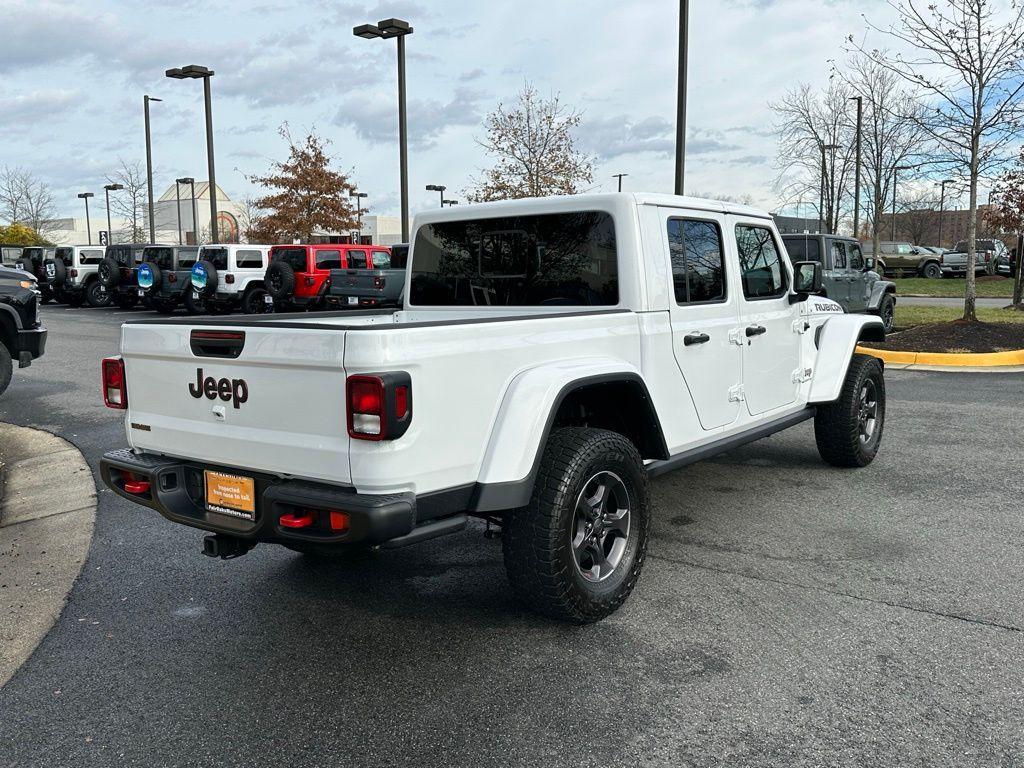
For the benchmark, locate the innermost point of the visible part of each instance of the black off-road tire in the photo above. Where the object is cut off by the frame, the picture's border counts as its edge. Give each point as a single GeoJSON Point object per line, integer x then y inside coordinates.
{"type": "Point", "coordinates": [95, 297]}
{"type": "Point", "coordinates": [931, 270]}
{"type": "Point", "coordinates": [60, 271]}
{"type": "Point", "coordinates": [838, 426]}
{"type": "Point", "coordinates": [109, 272]}
{"type": "Point", "coordinates": [537, 540]}
{"type": "Point", "coordinates": [195, 306]}
{"type": "Point", "coordinates": [6, 367]}
{"type": "Point", "coordinates": [887, 312]}
{"type": "Point", "coordinates": [280, 280]}
{"type": "Point", "coordinates": [252, 300]}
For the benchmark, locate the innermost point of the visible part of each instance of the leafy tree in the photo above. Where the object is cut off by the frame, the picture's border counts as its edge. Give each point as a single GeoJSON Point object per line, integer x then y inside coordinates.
{"type": "Point", "coordinates": [534, 150]}
{"type": "Point", "coordinates": [20, 234]}
{"type": "Point", "coordinates": [967, 61]}
{"type": "Point", "coordinates": [307, 195]}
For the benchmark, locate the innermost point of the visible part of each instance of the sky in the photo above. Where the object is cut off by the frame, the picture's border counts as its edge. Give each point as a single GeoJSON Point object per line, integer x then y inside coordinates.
{"type": "Point", "coordinates": [73, 74]}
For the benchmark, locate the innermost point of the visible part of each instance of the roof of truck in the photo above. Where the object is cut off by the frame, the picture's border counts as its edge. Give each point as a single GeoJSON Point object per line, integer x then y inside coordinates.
{"type": "Point", "coordinates": [602, 201]}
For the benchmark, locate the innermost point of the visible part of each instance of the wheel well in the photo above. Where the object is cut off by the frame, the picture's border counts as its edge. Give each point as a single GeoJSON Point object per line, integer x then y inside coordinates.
{"type": "Point", "coordinates": [619, 405]}
{"type": "Point", "coordinates": [7, 332]}
{"type": "Point", "coordinates": [871, 333]}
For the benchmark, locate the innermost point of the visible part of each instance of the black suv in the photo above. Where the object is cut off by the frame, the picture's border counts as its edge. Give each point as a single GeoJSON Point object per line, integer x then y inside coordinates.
{"type": "Point", "coordinates": [32, 258]}
{"type": "Point", "coordinates": [118, 273]}
{"type": "Point", "coordinates": [22, 337]}
{"type": "Point", "coordinates": [165, 276]}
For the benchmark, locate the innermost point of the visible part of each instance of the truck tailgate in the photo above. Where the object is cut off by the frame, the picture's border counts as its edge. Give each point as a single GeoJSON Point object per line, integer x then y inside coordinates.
{"type": "Point", "coordinates": [278, 407]}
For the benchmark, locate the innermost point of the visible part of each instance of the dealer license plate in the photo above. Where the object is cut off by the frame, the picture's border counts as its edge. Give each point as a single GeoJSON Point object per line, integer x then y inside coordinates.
{"type": "Point", "coordinates": [353, 299]}
{"type": "Point", "coordinates": [232, 495]}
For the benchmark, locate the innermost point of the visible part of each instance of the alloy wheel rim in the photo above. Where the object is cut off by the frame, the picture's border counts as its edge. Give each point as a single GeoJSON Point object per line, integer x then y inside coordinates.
{"type": "Point", "coordinates": [867, 411]}
{"type": "Point", "coordinates": [600, 526]}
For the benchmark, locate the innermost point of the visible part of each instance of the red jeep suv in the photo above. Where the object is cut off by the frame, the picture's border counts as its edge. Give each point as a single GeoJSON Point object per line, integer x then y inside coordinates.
{"type": "Point", "coordinates": [299, 275]}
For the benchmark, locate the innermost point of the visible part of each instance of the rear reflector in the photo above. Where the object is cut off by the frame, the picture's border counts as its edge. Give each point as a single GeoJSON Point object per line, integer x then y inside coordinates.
{"type": "Point", "coordinates": [134, 485]}
{"type": "Point", "coordinates": [339, 521]}
{"type": "Point", "coordinates": [115, 388]}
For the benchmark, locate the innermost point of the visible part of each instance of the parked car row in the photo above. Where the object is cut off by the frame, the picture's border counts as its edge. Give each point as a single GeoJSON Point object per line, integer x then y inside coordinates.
{"type": "Point", "coordinates": [217, 279]}
{"type": "Point", "coordinates": [904, 259]}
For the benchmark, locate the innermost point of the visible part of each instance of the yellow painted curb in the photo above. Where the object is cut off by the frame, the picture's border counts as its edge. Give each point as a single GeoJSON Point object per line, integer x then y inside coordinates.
{"type": "Point", "coordinates": [965, 360]}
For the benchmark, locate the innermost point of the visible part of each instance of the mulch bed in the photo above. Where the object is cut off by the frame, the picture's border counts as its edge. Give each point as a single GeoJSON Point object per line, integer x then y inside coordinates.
{"type": "Point", "coordinates": [957, 336]}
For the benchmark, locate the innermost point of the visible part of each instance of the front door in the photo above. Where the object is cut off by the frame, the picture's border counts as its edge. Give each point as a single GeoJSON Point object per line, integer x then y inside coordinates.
{"type": "Point", "coordinates": [860, 286]}
{"type": "Point", "coordinates": [704, 311]}
{"type": "Point", "coordinates": [771, 351]}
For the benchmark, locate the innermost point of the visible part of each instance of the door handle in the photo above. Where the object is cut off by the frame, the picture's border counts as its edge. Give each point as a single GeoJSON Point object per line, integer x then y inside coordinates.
{"type": "Point", "coordinates": [755, 330]}
{"type": "Point", "coordinates": [696, 338]}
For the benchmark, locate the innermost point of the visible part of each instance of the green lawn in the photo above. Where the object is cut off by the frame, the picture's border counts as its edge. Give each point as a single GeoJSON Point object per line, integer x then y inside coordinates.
{"type": "Point", "coordinates": [952, 287]}
{"type": "Point", "coordinates": [908, 316]}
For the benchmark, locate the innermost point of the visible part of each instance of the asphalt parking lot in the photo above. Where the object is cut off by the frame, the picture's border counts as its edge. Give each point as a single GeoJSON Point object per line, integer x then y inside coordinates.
{"type": "Point", "coordinates": [789, 614]}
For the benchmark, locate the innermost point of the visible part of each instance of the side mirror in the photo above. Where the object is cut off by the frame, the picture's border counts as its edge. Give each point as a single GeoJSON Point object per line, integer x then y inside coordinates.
{"type": "Point", "coordinates": [869, 263]}
{"type": "Point", "coordinates": [806, 279]}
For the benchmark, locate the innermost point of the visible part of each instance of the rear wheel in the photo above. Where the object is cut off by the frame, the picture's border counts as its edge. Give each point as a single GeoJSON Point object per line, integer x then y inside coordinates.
{"type": "Point", "coordinates": [96, 296]}
{"type": "Point", "coordinates": [253, 301]}
{"type": "Point", "coordinates": [6, 367]}
{"type": "Point", "coordinates": [576, 550]}
{"type": "Point", "coordinates": [193, 305]}
{"type": "Point", "coordinates": [849, 431]}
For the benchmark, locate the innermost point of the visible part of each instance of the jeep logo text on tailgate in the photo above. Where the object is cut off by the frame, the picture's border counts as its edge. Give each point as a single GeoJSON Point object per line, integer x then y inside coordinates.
{"type": "Point", "coordinates": [235, 390]}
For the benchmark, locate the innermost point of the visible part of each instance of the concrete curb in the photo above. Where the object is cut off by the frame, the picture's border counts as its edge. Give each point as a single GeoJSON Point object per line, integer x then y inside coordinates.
{"type": "Point", "coordinates": [947, 360]}
{"type": "Point", "coordinates": [47, 510]}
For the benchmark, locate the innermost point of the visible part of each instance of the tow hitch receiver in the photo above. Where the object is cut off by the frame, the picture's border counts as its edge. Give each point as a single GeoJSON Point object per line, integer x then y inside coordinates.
{"type": "Point", "coordinates": [225, 547]}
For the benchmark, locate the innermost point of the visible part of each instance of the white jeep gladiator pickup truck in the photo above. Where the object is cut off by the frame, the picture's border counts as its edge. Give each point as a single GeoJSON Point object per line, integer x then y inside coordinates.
{"type": "Point", "coordinates": [550, 357]}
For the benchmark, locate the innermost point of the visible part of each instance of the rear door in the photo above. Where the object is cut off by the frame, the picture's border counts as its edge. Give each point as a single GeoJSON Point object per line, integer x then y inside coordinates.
{"type": "Point", "coordinates": [771, 351]}
{"type": "Point", "coordinates": [704, 312]}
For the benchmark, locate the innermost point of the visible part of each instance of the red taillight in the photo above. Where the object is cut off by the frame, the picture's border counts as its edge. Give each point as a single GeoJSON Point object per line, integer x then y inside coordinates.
{"type": "Point", "coordinates": [229, 278]}
{"type": "Point", "coordinates": [115, 387]}
{"type": "Point", "coordinates": [366, 407]}
{"type": "Point", "coordinates": [74, 273]}
{"type": "Point", "coordinates": [379, 405]}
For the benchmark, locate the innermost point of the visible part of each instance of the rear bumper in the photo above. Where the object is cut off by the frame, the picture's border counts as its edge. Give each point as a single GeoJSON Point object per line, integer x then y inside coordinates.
{"type": "Point", "coordinates": [177, 491]}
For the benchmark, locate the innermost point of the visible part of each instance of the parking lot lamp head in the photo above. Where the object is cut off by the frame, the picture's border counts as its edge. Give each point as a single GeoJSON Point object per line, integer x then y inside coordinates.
{"type": "Point", "coordinates": [108, 188]}
{"type": "Point", "coordinates": [367, 31]}
{"type": "Point", "coordinates": [437, 188]}
{"type": "Point", "coordinates": [88, 230]}
{"type": "Point", "coordinates": [394, 28]}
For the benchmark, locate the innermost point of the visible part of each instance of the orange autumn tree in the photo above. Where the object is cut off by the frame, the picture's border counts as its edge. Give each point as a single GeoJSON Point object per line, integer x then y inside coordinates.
{"type": "Point", "coordinates": [306, 194]}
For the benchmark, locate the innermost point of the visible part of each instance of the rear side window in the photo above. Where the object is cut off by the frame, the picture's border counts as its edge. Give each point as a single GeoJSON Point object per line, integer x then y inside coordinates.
{"type": "Point", "coordinates": [698, 266]}
{"type": "Point", "coordinates": [328, 259]}
{"type": "Point", "coordinates": [803, 248]}
{"type": "Point", "coordinates": [187, 257]}
{"type": "Point", "coordinates": [381, 260]}
{"type": "Point", "coordinates": [216, 256]}
{"type": "Point", "coordinates": [90, 256]}
{"type": "Point", "coordinates": [67, 255]}
{"type": "Point", "coordinates": [356, 259]}
{"type": "Point", "coordinates": [764, 276]}
{"type": "Point", "coordinates": [249, 259]}
{"type": "Point", "coordinates": [295, 257]}
{"type": "Point", "coordinates": [558, 259]}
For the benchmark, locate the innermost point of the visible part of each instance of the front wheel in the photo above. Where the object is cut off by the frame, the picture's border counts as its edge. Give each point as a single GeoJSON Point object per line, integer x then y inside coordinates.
{"type": "Point", "coordinates": [932, 271]}
{"type": "Point", "coordinates": [575, 552]}
{"type": "Point", "coordinates": [849, 431]}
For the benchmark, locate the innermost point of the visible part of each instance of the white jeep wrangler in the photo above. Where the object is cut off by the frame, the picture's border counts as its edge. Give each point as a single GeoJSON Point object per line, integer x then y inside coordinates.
{"type": "Point", "coordinates": [72, 273]}
{"type": "Point", "coordinates": [551, 356]}
{"type": "Point", "coordinates": [227, 277]}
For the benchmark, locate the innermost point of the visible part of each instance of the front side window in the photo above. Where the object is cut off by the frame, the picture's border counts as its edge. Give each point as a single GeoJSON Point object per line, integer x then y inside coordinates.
{"type": "Point", "coordinates": [249, 259]}
{"type": "Point", "coordinates": [557, 259]}
{"type": "Point", "coordinates": [904, 249]}
{"type": "Point", "coordinates": [328, 259]}
{"type": "Point", "coordinates": [698, 265]}
{"type": "Point", "coordinates": [760, 262]}
{"type": "Point", "coordinates": [856, 257]}
{"type": "Point", "coordinates": [838, 255]}
{"type": "Point", "coordinates": [356, 259]}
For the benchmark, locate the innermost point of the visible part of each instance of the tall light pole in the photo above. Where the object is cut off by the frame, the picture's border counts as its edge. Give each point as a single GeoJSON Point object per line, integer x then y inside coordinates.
{"type": "Point", "coordinates": [386, 29]}
{"type": "Point", "coordinates": [856, 174]}
{"type": "Point", "coordinates": [149, 165]}
{"type": "Point", "coordinates": [177, 205]}
{"type": "Point", "coordinates": [896, 169]}
{"type": "Point", "coordinates": [195, 221]}
{"type": "Point", "coordinates": [942, 204]}
{"type": "Point", "coordinates": [684, 44]}
{"type": "Point", "coordinates": [196, 72]}
{"type": "Point", "coordinates": [108, 188]}
{"type": "Point", "coordinates": [359, 210]}
{"type": "Point", "coordinates": [619, 177]}
{"type": "Point", "coordinates": [88, 230]}
{"type": "Point", "coordinates": [437, 188]}
{"type": "Point", "coordinates": [825, 181]}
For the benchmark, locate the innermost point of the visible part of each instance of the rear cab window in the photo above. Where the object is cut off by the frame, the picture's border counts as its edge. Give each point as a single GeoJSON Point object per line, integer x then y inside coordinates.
{"type": "Point", "coordinates": [698, 263]}
{"type": "Point", "coordinates": [216, 256]}
{"type": "Point", "coordinates": [557, 259]}
{"type": "Point", "coordinates": [294, 256]}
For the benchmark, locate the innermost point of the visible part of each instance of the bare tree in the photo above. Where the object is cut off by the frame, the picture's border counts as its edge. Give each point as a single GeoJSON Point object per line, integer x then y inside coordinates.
{"type": "Point", "coordinates": [27, 200]}
{"type": "Point", "coordinates": [534, 150]}
{"type": "Point", "coordinates": [249, 216]}
{"type": "Point", "coordinates": [968, 61]}
{"type": "Point", "coordinates": [130, 202]}
{"type": "Point", "coordinates": [810, 124]}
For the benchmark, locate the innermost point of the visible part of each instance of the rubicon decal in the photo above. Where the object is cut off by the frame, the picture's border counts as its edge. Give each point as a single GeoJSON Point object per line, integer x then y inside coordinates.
{"type": "Point", "coordinates": [235, 390]}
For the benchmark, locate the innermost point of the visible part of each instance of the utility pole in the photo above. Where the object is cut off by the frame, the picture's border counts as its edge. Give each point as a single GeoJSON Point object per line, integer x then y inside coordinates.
{"type": "Point", "coordinates": [856, 182]}
{"type": "Point", "coordinates": [684, 25]}
{"type": "Point", "coordinates": [619, 177]}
